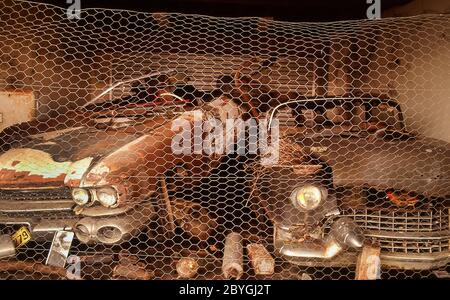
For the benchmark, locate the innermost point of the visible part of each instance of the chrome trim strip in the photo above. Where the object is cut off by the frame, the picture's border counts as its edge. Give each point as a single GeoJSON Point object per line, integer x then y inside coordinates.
{"type": "Point", "coordinates": [26, 206]}
{"type": "Point", "coordinates": [43, 225]}
{"type": "Point", "coordinates": [440, 235]}
{"type": "Point", "coordinates": [426, 257]}
{"type": "Point", "coordinates": [331, 99]}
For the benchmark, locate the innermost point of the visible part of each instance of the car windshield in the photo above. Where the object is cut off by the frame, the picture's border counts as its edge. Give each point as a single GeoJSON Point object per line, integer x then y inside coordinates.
{"type": "Point", "coordinates": [154, 91]}
{"type": "Point", "coordinates": [336, 116]}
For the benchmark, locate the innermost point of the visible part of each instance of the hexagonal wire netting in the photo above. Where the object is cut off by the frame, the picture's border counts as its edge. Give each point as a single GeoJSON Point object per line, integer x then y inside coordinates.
{"type": "Point", "coordinates": [164, 146]}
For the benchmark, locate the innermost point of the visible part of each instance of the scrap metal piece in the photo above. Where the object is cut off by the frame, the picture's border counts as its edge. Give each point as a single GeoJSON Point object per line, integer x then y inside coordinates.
{"type": "Point", "coordinates": [97, 259]}
{"type": "Point", "coordinates": [126, 258]}
{"type": "Point", "coordinates": [7, 248]}
{"type": "Point", "coordinates": [344, 235]}
{"type": "Point", "coordinates": [187, 267]}
{"type": "Point", "coordinates": [59, 251]}
{"type": "Point", "coordinates": [261, 260]}
{"type": "Point", "coordinates": [32, 268]}
{"type": "Point", "coordinates": [233, 257]}
{"type": "Point", "coordinates": [441, 274]}
{"type": "Point", "coordinates": [131, 271]}
{"type": "Point", "coordinates": [194, 219]}
{"type": "Point", "coordinates": [368, 266]}
{"type": "Point", "coordinates": [130, 268]}
{"type": "Point", "coordinates": [167, 204]}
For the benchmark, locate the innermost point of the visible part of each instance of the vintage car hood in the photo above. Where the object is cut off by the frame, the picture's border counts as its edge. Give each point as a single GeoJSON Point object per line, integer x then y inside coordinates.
{"type": "Point", "coordinates": [61, 157]}
{"type": "Point", "coordinates": [415, 164]}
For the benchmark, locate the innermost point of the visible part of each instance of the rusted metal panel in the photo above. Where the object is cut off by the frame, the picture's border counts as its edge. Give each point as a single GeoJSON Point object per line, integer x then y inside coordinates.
{"type": "Point", "coordinates": [151, 155]}
{"type": "Point", "coordinates": [16, 107]}
{"type": "Point", "coordinates": [384, 165]}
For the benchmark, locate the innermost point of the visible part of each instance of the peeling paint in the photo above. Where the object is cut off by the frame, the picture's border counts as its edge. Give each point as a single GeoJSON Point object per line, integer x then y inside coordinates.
{"type": "Point", "coordinates": [76, 171]}
{"type": "Point", "coordinates": [100, 171]}
{"type": "Point", "coordinates": [30, 165]}
{"type": "Point", "coordinates": [34, 162]}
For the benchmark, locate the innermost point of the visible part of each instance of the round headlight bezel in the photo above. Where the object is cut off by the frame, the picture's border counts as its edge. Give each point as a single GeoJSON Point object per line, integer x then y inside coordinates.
{"type": "Point", "coordinates": [111, 192]}
{"type": "Point", "coordinates": [299, 200]}
{"type": "Point", "coordinates": [86, 201]}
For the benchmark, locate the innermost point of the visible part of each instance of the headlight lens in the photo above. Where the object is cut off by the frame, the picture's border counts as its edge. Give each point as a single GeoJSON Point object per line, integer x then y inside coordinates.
{"type": "Point", "coordinates": [81, 196]}
{"type": "Point", "coordinates": [308, 197]}
{"type": "Point", "coordinates": [107, 196]}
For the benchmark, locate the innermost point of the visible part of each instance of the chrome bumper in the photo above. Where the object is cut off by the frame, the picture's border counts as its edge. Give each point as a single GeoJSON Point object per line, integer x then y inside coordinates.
{"type": "Point", "coordinates": [344, 235]}
{"type": "Point", "coordinates": [326, 252]}
{"type": "Point", "coordinates": [91, 225]}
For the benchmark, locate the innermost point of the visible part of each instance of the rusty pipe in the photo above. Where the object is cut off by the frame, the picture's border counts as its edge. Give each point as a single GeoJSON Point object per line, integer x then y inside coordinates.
{"type": "Point", "coordinates": [233, 257]}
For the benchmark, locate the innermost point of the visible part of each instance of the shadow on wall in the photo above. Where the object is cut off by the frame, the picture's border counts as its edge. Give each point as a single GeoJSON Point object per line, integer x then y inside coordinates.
{"type": "Point", "coordinates": [427, 76]}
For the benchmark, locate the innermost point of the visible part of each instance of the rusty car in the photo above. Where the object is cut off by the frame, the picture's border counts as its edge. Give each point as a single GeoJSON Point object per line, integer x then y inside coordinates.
{"type": "Point", "coordinates": [94, 170]}
{"type": "Point", "coordinates": [348, 174]}
{"type": "Point", "coordinates": [359, 178]}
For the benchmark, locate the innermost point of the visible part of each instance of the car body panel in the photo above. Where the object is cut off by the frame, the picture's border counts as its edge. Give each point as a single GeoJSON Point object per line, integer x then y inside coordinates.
{"type": "Point", "coordinates": [384, 164]}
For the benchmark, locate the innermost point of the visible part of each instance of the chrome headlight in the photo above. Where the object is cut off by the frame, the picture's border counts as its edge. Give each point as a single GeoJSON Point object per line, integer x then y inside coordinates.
{"type": "Point", "coordinates": [81, 196]}
{"type": "Point", "coordinates": [308, 197]}
{"type": "Point", "coordinates": [107, 196]}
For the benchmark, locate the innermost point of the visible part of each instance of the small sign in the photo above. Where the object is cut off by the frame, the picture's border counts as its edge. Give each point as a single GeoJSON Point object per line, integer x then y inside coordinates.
{"type": "Point", "coordinates": [21, 237]}
{"type": "Point", "coordinates": [368, 266]}
{"type": "Point", "coordinates": [59, 251]}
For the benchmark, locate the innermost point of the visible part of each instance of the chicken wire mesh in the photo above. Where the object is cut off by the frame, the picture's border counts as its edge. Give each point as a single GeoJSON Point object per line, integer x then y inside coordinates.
{"type": "Point", "coordinates": [165, 146]}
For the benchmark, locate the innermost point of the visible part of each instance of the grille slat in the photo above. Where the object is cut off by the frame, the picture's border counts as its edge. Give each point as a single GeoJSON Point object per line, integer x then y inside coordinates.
{"type": "Point", "coordinates": [38, 201]}
{"type": "Point", "coordinates": [417, 221]}
{"type": "Point", "coordinates": [423, 246]}
{"type": "Point", "coordinates": [36, 194]}
{"type": "Point", "coordinates": [375, 222]}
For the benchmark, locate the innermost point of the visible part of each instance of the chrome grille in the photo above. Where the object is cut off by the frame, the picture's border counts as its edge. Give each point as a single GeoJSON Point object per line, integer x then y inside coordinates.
{"type": "Point", "coordinates": [417, 220]}
{"type": "Point", "coordinates": [36, 194]}
{"type": "Point", "coordinates": [28, 201]}
{"type": "Point", "coordinates": [424, 245]}
{"type": "Point", "coordinates": [413, 231]}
